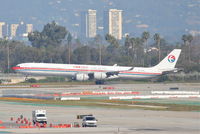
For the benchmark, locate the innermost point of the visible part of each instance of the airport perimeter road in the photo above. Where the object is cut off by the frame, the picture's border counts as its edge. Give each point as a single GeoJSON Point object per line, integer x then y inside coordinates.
{"type": "Point", "coordinates": [110, 121]}
{"type": "Point", "coordinates": [145, 88]}
{"type": "Point", "coordinates": [99, 131]}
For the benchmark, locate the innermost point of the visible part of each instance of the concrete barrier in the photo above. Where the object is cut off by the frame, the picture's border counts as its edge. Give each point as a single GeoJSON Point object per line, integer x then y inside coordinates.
{"type": "Point", "coordinates": [62, 126]}
{"type": "Point", "coordinates": [108, 87]}
{"type": "Point", "coordinates": [176, 92]}
{"type": "Point", "coordinates": [70, 98]}
{"type": "Point", "coordinates": [152, 97]}
{"type": "Point", "coordinates": [34, 85]}
{"type": "Point", "coordinates": [99, 93]}
{"type": "Point", "coordinates": [2, 127]}
{"type": "Point", "coordinates": [23, 126]}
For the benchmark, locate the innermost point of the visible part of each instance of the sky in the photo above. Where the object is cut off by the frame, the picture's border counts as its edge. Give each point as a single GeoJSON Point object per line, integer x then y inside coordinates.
{"type": "Point", "coordinates": [170, 18]}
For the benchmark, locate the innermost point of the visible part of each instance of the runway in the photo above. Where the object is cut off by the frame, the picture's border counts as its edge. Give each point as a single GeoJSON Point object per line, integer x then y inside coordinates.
{"type": "Point", "coordinates": [110, 120]}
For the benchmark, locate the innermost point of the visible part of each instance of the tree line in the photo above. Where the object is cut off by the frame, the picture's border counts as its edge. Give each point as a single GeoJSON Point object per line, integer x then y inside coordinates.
{"type": "Point", "coordinates": [54, 44]}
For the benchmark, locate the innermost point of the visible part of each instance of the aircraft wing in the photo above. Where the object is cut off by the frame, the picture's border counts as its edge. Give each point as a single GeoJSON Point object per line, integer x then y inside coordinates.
{"type": "Point", "coordinates": [109, 74]}
{"type": "Point", "coordinates": [117, 72]}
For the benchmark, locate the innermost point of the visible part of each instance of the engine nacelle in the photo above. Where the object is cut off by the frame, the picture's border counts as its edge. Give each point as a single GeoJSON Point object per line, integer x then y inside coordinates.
{"type": "Point", "coordinates": [100, 76]}
{"type": "Point", "coordinates": [113, 77]}
{"type": "Point", "coordinates": [82, 77]}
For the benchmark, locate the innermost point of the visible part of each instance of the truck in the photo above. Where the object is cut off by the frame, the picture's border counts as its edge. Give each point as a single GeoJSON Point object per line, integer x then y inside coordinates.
{"type": "Point", "coordinates": [39, 116]}
{"type": "Point", "coordinates": [89, 121]}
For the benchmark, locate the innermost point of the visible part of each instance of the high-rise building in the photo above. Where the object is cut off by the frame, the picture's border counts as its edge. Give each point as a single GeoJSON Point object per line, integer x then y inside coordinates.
{"type": "Point", "coordinates": [88, 23]}
{"type": "Point", "coordinates": [13, 30]}
{"type": "Point", "coordinates": [113, 23]}
{"type": "Point", "coordinates": [2, 25]}
{"type": "Point", "coordinates": [91, 23]}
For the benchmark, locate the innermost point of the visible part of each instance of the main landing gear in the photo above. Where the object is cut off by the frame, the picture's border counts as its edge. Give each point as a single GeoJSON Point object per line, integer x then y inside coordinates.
{"type": "Point", "coordinates": [99, 82]}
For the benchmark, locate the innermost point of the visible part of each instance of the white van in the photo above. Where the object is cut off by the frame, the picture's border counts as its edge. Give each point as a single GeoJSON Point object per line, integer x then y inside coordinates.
{"type": "Point", "coordinates": [89, 121]}
{"type": "Point", "coordinates": [39, 116]}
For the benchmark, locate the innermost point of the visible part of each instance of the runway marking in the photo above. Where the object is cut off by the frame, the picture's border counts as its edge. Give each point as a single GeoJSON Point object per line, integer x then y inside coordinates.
{"type": "Point", "coordinates": [176, 92]}
{"type": "Point", "coordinates": [152, 97]}
{"type": "Point", "coordinates": [145, 106]}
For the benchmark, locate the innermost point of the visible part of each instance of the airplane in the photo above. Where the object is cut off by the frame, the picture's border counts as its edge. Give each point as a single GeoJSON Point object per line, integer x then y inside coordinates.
{"type": "Point", "coordinates": [100, 73]}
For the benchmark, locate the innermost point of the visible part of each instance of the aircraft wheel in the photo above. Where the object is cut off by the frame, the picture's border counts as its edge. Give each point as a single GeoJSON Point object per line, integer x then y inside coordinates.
{"type": "Point", "coordinates": [99, 82]}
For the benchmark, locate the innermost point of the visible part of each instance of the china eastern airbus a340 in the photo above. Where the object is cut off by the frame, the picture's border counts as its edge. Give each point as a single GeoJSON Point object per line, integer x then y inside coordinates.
{"type": "Point", "coordinates": [100, 73]}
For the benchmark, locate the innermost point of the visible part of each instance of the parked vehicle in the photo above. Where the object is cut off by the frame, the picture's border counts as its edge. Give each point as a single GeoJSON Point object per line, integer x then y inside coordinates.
{"type": "Point", "coordinates": [39, 116]}
{"type": "Point", "coordinates": [89, 121]}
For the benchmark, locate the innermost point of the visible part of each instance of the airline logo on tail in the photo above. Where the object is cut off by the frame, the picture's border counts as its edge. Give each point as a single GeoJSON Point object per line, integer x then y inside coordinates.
{"type": "Point", "coordinates": [171, 58]}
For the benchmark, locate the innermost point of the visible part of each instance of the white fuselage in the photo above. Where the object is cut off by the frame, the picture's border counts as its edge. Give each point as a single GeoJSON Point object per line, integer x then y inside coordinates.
{"type": "Point", "coordinates": [50, 69]}
{"type": "Point", "coordinates": [100, 72]}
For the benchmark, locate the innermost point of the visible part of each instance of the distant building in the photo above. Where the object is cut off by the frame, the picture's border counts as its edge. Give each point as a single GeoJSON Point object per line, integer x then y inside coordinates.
{"type": "Point", "coordinates": [29, 28]}
{"type": "Point", "coordinates": [13, 30]}
{"type": "Point", "coordinates": [17, 31]}
{"type": "Point", "coordinates": [3, 29]}
{"type": "Point", "coordinates": [113, 23]}
{"type": "Point", "coordinates": [21, 29]}
{"type": "Point", "coordinates": [91, 23]}
{"type": "Point", "coordinates": [88, 24]}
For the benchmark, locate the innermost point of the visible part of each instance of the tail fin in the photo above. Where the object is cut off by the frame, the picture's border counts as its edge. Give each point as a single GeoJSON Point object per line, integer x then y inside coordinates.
{"type": "Point", "coordinates": [169, 61]}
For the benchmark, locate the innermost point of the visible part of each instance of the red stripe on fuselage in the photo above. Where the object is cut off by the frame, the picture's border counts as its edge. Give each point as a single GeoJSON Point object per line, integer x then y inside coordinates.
{"type": "Point", "coordinates": [27, 68]}
{"type": "Point", "coordinates": [21, 68]}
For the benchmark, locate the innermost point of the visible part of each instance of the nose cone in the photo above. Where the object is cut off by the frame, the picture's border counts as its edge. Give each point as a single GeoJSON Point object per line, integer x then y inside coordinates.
{"type": "Point", "coordinates": [16, 68]}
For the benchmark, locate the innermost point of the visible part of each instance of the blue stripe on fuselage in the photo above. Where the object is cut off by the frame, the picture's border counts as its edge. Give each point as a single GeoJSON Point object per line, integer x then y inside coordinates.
{"type": "Point", "coordinates": [45, 70]}
{"type": "Point", "coordinates": [138, 74]}
{"type": "Point", "coordinates": [86, 71]}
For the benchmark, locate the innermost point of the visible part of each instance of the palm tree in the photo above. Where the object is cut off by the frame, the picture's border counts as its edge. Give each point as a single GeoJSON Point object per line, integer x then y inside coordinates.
{"type": "Point", "coordinates": [69, 40]}
{"type": "Point", "coordinates": [184, 38]}
{"type": "Point", "coordinates": [145, 37]}
{"type": "Point", "coordinates": [189, 39]}
{"type": "Point", "coordinates": [112, 40]}
{"type": "Point", "coordinates": [157, 39]}
{"type": "Point", "coordinates": [139, 50]}
{"type": "Point", "coordinates": [127, 44]}
{"type": "Point", "coordinates": [133, 49]}
{"type": "Point", "coordinates": [98, 41]}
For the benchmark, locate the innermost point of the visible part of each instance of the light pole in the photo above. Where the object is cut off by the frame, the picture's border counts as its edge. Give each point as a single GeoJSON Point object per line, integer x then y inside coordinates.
{"type": "Point", "coordinates": [100, 54]}
{"type": "Point", "coordinates": [69, 52]}
{"type": "Point", "coordinates": [69, 39]}
{"type": "Point", "coordinates": [8, 54]}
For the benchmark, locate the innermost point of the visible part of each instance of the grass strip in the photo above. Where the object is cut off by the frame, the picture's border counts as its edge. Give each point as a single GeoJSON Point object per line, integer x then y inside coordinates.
{"type": "Point", "coordinates": [102, 104]}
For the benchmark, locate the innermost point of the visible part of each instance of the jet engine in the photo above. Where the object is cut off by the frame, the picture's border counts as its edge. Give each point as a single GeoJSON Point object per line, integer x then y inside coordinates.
{"type": "Point", "coordinates": [82, 77]}
{"type": "Point", "coordinates": [100, 76]}
{"type": "Point", "coordinates": [113, 77]}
